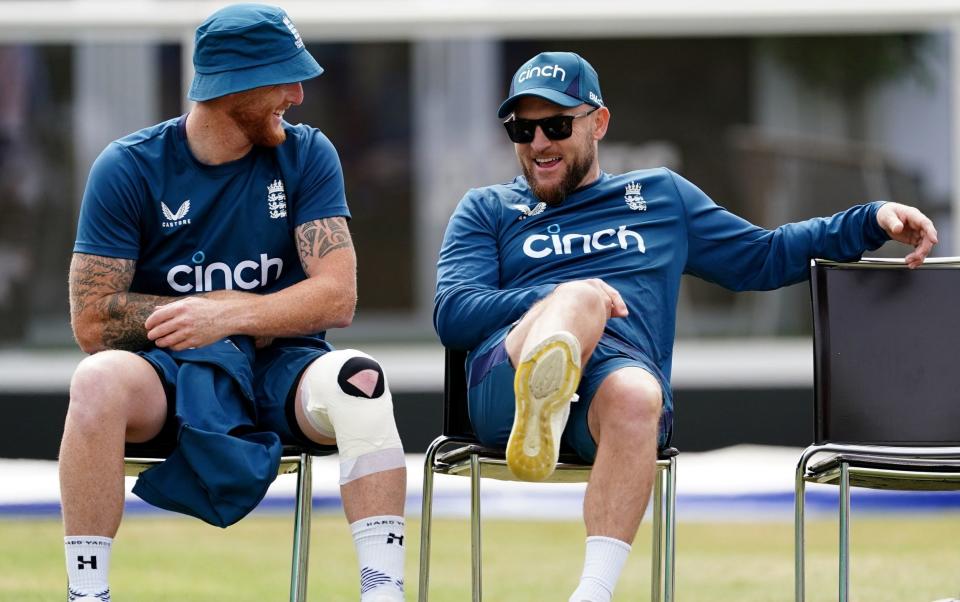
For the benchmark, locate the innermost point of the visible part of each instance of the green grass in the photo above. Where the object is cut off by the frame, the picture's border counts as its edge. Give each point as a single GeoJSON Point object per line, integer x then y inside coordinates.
{"type": "Point", "coordinates": [177, 559]}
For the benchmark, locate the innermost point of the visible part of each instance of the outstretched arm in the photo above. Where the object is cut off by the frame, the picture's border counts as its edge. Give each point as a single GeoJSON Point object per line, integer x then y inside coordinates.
{"type": "Point", "coordinates": [325, 299]}
{"type": "Point", "coordinates": [911, 227]}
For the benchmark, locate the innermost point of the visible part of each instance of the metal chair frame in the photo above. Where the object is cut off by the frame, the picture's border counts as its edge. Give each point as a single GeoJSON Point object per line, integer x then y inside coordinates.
{"type": "Point", "coordinates": [871, 466]}
{"type": "Point", "coordinates": [294, 460]}
{"type": "Point", "coordinates": [465, 456]}
{"type": "Point", "coordinates": [861, 463]}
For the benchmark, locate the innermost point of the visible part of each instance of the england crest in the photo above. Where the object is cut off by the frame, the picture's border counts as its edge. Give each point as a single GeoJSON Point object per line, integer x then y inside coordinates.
{"type": "Point", "coordinates": [633, 198]}
{"type": "Point", "coordinates": [276, 200]}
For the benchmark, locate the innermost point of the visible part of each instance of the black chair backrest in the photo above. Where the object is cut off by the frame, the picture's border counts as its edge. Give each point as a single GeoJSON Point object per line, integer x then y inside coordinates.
{"type": "Point", "coordinates": [456, 418]}
{"type": "Point", "coordinates": [886, 353]}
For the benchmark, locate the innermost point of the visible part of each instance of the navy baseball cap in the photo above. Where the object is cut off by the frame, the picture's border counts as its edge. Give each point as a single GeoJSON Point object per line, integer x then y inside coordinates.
{"type": "Point", "coordinates": [245, 46]}
{"type": "Point", "coordinates": [563, 78]}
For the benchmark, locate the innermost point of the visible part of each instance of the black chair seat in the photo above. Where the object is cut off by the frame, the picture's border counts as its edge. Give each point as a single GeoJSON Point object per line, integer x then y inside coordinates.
{"type": "Point", "coordinates": [888, 472]}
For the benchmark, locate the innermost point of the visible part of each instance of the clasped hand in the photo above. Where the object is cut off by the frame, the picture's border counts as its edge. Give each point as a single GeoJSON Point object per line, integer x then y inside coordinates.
{"type": "Point", "coordinates": [909, 226]}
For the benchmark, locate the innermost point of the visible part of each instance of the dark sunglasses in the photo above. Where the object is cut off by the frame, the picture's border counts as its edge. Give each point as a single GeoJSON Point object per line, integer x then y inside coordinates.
{"type": "Point", "coordinates": [558, 127]}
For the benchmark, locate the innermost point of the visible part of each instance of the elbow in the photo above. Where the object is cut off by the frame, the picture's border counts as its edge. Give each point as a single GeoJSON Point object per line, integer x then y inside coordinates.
{"type": "Point", "coordinates": [88, 338]}
{"type": "Point", "coordinates": [343, 314]}
{"type": "Point", "coordinates": [342, 321]}
{"type": "Point", "coordinates": [90, 347]}
{"type": "Point", "coordinates": [452, 336]}
{"type": "Point", "coordinates": [464, 341]}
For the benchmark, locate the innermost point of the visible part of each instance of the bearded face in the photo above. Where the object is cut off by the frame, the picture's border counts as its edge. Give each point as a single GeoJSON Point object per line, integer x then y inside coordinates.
{"type": "Point", "coordinates": [556, 168]}
{"type": "Point", "coordinates": [553, 190]}
{"type": "Point", "coordinates": [259, 113]}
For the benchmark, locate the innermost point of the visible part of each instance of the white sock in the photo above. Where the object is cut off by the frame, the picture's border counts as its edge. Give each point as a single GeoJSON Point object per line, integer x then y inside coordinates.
{"type": "Point", "coordinates": [601, 569]}
{"type": "Point", "coordinates": [88, 566]}
{"type": "Point", "coordinates": [380, 552]}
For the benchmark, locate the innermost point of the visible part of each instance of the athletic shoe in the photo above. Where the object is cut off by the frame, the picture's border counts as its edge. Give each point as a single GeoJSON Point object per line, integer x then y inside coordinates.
{"type": "Point", "coordinates": [546, 382]}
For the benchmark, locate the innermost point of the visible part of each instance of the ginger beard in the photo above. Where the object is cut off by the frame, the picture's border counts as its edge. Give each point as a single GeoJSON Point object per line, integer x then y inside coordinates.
{"type": "Point", "coordinates": [579, 162]}
{"type": "Point", "coordinates": [255, 115]}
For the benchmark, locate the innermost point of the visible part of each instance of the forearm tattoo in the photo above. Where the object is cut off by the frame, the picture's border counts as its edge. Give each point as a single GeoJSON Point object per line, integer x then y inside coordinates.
{"type": "Point", "coordinates": [126, 313]}
{"type": "Point", "coordinates": [317, 238]}
{"type": "Point", "coordinates": [99, 288]}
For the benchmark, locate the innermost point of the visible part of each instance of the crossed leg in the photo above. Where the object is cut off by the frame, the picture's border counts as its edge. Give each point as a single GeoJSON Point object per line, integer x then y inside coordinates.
{"type": "Point", "coordinates": [623, 419]}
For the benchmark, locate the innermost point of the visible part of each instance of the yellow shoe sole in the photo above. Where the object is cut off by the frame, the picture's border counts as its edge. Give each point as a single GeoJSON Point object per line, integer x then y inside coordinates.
{"type": "Point", "coordinates": [545, 382]}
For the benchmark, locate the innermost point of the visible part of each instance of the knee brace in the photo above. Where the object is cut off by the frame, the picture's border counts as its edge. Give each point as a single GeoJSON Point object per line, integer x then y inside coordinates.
{"type": "Point", "coordinates": [345, 397]}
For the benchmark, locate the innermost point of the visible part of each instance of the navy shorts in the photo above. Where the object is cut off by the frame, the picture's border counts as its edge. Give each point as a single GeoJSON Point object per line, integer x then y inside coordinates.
{"type": "Point", "coordinates": [490, 395]}
{"type": "Point", "coordinates": [276, 373]}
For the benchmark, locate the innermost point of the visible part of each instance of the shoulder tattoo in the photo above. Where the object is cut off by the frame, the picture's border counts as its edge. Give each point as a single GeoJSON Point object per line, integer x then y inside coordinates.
{"type": "Point", "coordinates": [319, 237]}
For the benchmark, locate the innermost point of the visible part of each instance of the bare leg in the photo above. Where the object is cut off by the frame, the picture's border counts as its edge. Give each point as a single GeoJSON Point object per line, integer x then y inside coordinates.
{"type": "Point", "coordinates": [548, 348]}
{"type": "Point", "coordinates": [381, 493]}
{"type": "Point", "coordinates": [577, 307]}
{"type": "Point", "coordinates": [114, 396]}
{"type": "Point", "coordinates": [623, 419]}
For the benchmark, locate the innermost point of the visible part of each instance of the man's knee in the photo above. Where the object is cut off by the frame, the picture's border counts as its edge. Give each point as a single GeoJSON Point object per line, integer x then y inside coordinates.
{"type": "Point", "coordinates": [346, 397]}
{"type": "Point", "coordinates": [630, 401]}
{"type": "Point", "coordinates": [104, 384]}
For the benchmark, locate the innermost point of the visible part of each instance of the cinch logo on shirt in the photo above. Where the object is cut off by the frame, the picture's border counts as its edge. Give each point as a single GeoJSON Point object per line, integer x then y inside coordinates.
{"type": "Point", "coordinates": [247, 274]}
{"type": "Point", "coordinates": [539, 246]}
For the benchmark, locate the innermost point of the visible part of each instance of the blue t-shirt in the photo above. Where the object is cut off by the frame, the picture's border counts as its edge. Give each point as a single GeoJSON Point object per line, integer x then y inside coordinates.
{"type": "Point", "coordinates": [639, 232]}
{"type": "Point", "coordinates": [194, 228]}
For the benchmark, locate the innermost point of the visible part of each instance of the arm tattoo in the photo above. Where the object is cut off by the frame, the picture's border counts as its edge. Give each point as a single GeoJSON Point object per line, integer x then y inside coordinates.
{"type": "Point", "coordinates": [126, 313]}
{"type": "Point", "coordinates": [99, 295]}
{"type": "Point", "coordinates": [317, 238]}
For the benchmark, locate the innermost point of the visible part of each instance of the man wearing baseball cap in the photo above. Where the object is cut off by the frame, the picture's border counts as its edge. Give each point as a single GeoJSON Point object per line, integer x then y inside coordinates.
{"type": "Point", "coordinates": [563, 287]}
{"type": "Point", "coordinates": [212, 254]}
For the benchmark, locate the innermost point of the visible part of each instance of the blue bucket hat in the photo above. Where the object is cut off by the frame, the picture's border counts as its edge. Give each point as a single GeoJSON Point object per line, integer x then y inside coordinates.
{"type": "Point", "coordinates": [245, 46]}
{"type": "Point", "coordinates": [563, 78]}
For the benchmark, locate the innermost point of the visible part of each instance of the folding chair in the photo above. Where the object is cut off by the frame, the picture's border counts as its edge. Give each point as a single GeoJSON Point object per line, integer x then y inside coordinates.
{"type": "Point", "coordinates": [470, 458]}
{"type": "Point", "coordinates": [886, 381]}
{"type": "Point", "coordinates": [294, 459]}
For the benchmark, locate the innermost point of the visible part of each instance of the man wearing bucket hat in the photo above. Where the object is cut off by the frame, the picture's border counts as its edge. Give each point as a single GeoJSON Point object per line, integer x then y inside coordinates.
{"type": "Point", "coordinates": [563, 286]}
{"type": "Point", "coordinates": [212, 253]}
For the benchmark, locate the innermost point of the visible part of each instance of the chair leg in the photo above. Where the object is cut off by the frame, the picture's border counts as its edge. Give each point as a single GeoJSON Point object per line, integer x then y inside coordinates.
{"type": "Point", "coordinates": [799, 519]}
{"type": "Point", "coordinates": [844, 531]}
{"type": "Point", "coordinates": [475, 548]}
{"type": "Point", "coordinates": [301, 529]}
{"type": "Point", "coordinates": [671, 538]}
{"type": "Point", "coordinates": [426, 520]}
{"type": "Point", "coordinates": [656, 556]}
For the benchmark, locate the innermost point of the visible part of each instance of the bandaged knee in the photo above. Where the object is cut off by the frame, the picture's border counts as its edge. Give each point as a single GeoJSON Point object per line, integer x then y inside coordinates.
{"type": "Point", "coordinates": [347, 399]}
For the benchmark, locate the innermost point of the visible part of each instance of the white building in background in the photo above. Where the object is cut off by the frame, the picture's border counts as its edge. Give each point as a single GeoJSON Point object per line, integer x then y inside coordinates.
{"type": "Point", "coordinates": [454, 63]}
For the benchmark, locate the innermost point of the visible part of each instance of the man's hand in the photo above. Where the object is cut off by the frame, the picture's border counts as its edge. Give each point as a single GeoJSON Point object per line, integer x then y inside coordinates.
{"type": "Point", "coordinates": [909, 226]}
{"type": "Point", "coordinates": [189, 322]}
{"type": "Point", "coordinates": [616, 308]}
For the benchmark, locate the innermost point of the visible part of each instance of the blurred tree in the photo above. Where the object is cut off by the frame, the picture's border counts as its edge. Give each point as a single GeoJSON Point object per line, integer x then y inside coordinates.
{"type": "Point", "coordinates": [852, 66]}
